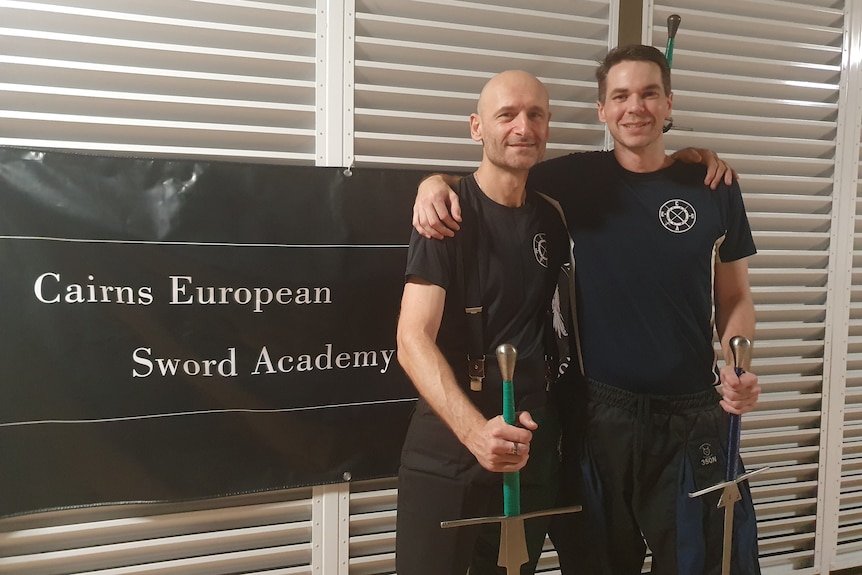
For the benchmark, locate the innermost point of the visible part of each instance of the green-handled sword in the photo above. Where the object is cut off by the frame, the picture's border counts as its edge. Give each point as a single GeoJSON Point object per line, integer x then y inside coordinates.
{"type": "Point", "coordinates": [673, 22]}
{"type": "Point", "coordinates": [513, 543]}
{"type": "Point", "coordinates": [741, 349]}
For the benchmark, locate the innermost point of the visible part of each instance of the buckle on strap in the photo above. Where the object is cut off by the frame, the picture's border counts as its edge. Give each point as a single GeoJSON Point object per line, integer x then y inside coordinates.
{"type": "Point", "coordinates": [476, 371]}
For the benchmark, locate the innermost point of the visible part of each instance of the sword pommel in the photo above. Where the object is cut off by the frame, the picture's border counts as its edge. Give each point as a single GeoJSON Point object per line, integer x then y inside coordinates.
{"type": "Point", "coordinates": [506, 357]}
{"type": "Point", "coordinates": [740, 347]}
{"type": "Point", "coordinates": [673, 25]}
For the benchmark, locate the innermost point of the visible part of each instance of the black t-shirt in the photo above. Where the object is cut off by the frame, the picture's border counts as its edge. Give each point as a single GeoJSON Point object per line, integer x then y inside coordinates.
{"type": "Point", "coordinates": [520, 251]}
{"type": "Point", "coordinates": [644, 249]}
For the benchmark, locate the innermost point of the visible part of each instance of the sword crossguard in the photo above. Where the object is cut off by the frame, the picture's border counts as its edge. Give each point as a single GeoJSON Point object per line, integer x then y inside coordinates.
{"type": "Point", "coordinates": [724, 484]}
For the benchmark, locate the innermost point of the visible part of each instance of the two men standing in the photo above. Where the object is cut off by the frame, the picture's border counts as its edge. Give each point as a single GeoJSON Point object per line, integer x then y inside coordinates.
{"type": "Point", "coordinates": [660, 266]}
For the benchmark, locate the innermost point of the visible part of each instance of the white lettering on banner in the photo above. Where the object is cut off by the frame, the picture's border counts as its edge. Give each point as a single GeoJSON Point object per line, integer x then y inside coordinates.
{"type": "Point", "coordinates": [176, 366]}
{"type": "Point", "coordinates": [146, 365]}
{"type": "Point", "coordinates": [184, 292]}
{"type": "Point", "coordinates": [267, 364]}
{"type": "Point", "coordinates": [49, 288]}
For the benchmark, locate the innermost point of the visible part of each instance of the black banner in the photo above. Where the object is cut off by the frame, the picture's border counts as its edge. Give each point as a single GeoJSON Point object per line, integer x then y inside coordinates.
{"type": "Point", "coordinates": [182, 329]}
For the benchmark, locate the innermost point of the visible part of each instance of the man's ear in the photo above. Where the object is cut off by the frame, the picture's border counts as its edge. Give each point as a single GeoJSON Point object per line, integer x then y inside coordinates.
{"type": "Point", "coordinates": [475, 127]}
{"type": "Point", "coordinates": [601, 109]}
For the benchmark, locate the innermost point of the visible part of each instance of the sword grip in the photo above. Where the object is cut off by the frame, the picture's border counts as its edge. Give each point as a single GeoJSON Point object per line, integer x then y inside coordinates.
{"type": "Point", "coordinates": [511, 479]}
{"type": "Point", "coordinates": [506, 356]}
{"type": "Point", "coordinates": [740, 347]}
{"type": "Point", "coordinates": [733, 436]}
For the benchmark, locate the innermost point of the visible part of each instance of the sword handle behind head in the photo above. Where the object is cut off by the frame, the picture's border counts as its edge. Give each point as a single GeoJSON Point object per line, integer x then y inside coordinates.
{"type": "Point", "coordinates": [673, 22]}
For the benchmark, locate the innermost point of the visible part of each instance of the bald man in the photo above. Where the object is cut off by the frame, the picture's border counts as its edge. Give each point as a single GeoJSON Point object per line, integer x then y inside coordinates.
{"type": "Point", "coordinates": [458, 445]}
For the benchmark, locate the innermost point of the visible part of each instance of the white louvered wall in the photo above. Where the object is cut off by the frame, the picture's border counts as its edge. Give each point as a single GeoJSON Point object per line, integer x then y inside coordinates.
{"type": "Point", "coordinates": [419, 67]}
{"type": "Point", "coordinates": [848, 548]}
{"type": "Point", "coordinates": [182, 78]}
{"type": "Point", "coordinates": [770, 84]}
{"type": "Point", "coordinates": [761, 82]}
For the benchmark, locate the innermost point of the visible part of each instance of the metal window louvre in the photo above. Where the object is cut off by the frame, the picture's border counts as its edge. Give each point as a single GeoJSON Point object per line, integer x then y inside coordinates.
{"type": "Point", "coordinates": [420, 65]}
{"type": "Point", "coordinates": [372, 527]}
{"type": "Point", "coordinates": [255, 531]}
{"type": "Point", "coordinates": [189, 78]}
{"type": "Point", "coordinates": [761, 82]}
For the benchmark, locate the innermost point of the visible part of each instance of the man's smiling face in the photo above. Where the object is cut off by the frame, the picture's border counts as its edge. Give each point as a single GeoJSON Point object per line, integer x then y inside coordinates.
{"type": "Point", "coordinates": [512, 121]}
{"type": "Point", "coordinates": [635, 105]}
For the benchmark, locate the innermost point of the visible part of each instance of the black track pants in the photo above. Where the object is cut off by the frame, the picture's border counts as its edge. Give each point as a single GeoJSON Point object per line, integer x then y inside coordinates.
{"type": "Point", "coordinates": [631, 463]}
{"type": "Point", "coordinates": [440, 480]}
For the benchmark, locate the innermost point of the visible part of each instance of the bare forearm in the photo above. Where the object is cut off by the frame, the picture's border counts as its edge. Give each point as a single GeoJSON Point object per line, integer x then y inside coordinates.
{"type": "Point", "coordinates": [740, 392]}
{"type": "Point", "coordinates": [433, 378]}
{"type": "Point", "coordinates": [450, 180]}
{"type": "Point", "coordinates": [734, 317]}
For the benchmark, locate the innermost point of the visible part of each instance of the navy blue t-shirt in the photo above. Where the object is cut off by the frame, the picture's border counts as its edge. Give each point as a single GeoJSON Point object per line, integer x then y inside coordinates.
{"type": "Point", "coordinates": [644, 249]}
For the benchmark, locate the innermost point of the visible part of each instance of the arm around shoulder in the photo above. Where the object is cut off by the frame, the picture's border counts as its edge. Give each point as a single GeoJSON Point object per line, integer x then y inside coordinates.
{"type": "Point", "coordinates": [437, 209]}
{"type": "Point", "coordinates": [717, 170]}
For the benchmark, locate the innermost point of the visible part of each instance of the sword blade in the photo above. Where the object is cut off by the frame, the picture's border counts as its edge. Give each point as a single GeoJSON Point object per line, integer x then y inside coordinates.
{"type": "Point", "coordinates": [728, 500]}
{"type": "Point", "coordinates": [728, 540]}
{"type": "Point", "coordinates": [513, 545]}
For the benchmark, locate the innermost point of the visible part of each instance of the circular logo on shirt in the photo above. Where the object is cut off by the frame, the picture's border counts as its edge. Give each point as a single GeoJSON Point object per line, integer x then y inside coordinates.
{"type": "Point", "coordinates": [677, 216]}
{"type": "Point", "coordinates": [540, 249]}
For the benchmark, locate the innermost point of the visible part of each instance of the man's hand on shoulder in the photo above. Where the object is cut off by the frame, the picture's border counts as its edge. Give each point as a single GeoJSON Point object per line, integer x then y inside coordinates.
{"type": "Point", "coordinates": [437, 209]}
{"type": "Point", "coordinates": [716, 168]}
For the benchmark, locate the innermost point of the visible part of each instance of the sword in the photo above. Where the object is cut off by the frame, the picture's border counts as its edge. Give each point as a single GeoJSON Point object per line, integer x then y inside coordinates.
{"type": "Point", "coordinates": [673, 22]}
{"type": "Point", "coordinates": [513, 543]}
{"type": "Point", "coordinates": [741, 349]}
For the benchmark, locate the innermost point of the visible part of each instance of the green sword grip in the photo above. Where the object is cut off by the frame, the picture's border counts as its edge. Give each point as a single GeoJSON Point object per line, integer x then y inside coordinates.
{"type": "Point", "coordinates": [668, 52]}
{"type": "Point", "coordinates": [511, 480]}
{"type": "Point", "coordinates": [506, 357]}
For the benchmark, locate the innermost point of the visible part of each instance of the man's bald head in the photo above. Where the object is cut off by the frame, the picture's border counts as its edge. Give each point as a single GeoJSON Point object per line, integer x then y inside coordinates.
{"type": "Point", "coordinates": [508, 81]}
{"type": "Point", "coordinates": [511, 120]}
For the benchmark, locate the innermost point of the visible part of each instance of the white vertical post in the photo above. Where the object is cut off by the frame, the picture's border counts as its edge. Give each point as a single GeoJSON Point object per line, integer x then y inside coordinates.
{"type": "Point", "coordinates": [330, 532]}
{"type": "Point", "coordinates": [330, 537]}
{"type": "Point", "coordinates": [349, 81]}
{"type": "Point", "coordinates": [613, 40]}
{"type": "Point", "coordinates": [329, 79]}
{"type": "Point", "coordinates": [647, 20]}
{"type": "Point", "coordinates": [839, 292]}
